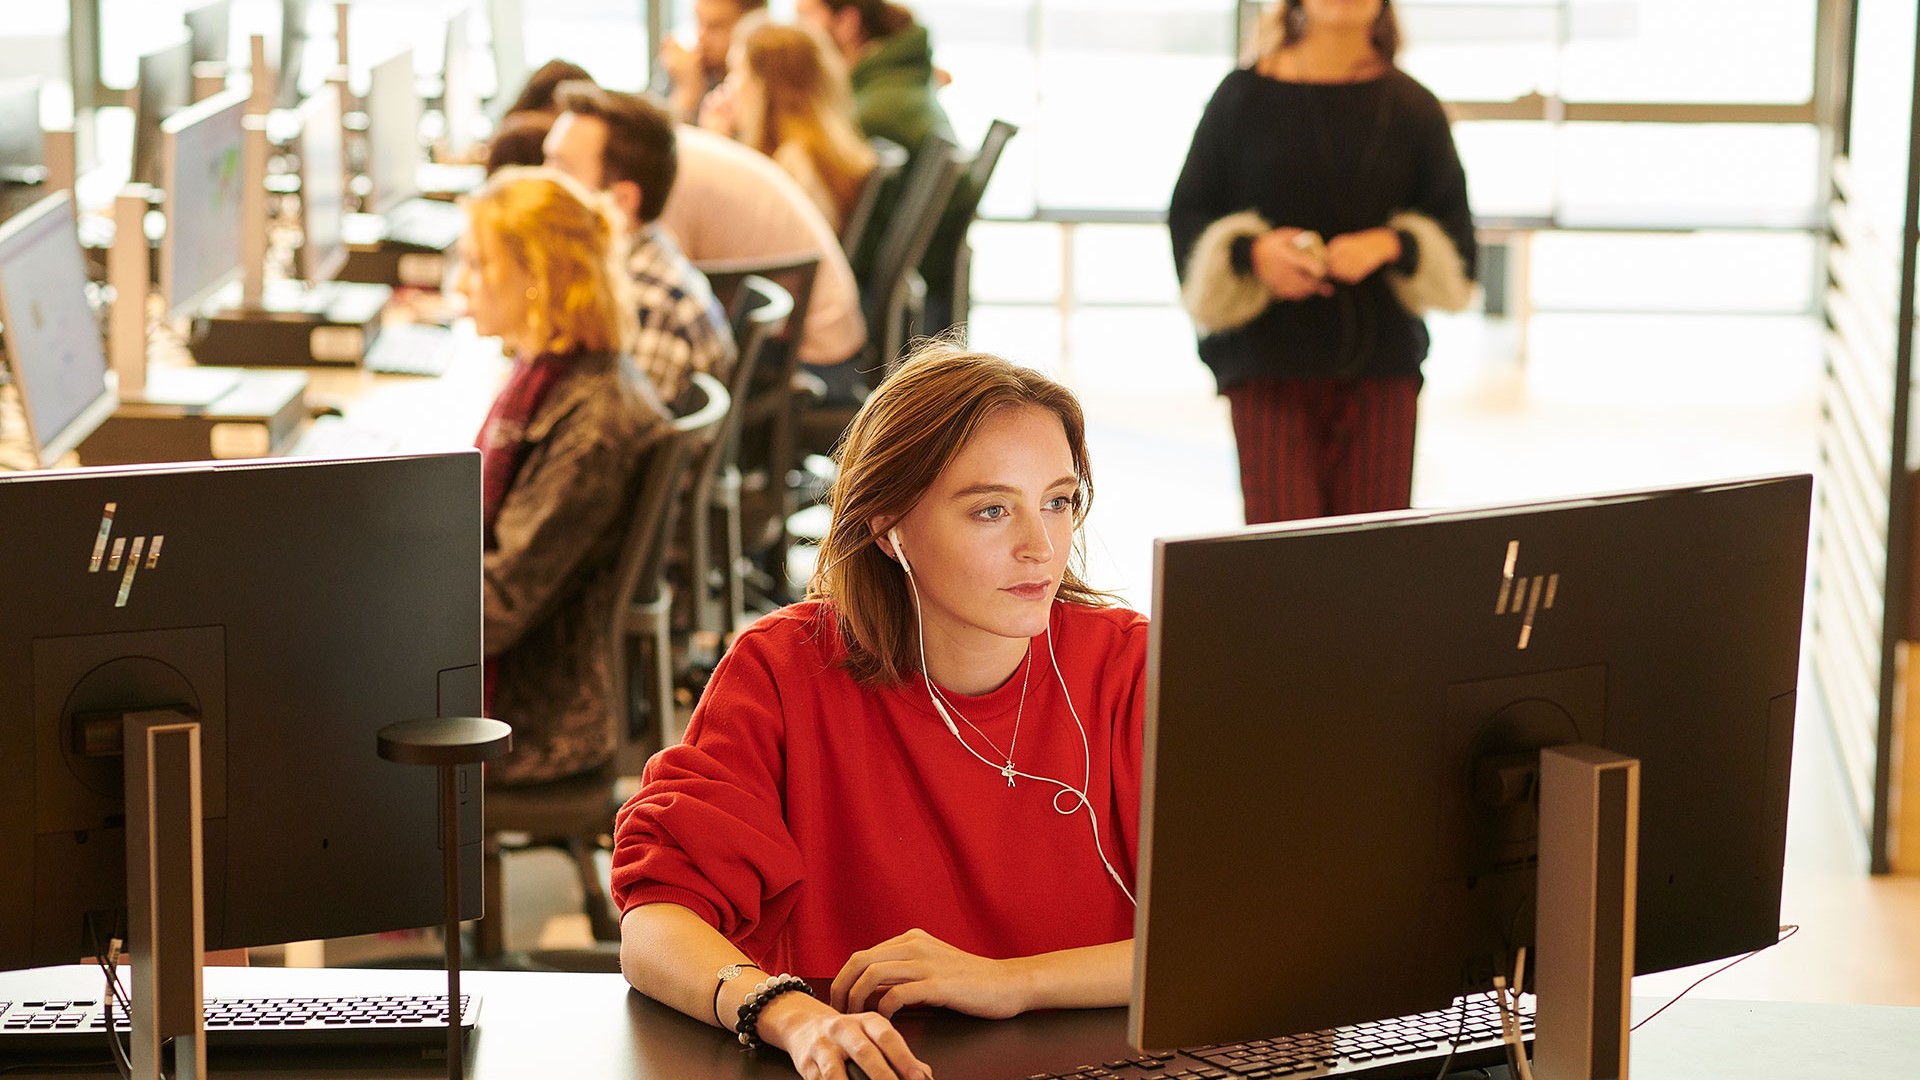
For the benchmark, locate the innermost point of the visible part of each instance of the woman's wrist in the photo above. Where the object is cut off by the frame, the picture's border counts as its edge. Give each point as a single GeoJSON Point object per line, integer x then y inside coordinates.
{"type": "Point", "coordinates": [784, 1016]}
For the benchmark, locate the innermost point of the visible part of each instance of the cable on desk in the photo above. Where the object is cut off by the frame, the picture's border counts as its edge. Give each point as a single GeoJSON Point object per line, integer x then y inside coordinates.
{"type": "Point", "coordinates": [108, 958]}
{"type": "Point", "coordinates": [1786, 932]}
{"type": "Point", "coordinates": [1453, 1047]}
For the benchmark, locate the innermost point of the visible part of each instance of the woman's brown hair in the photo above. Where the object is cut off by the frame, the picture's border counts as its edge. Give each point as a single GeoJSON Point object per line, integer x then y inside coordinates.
{"type": "Point", "coordinates": [879, 19]}
{"type": "Point", "coordinates": [800, 96]}
{"type": "Point", "coordinates": [912, 426]}
{"type": "Point", "coordinates": [567, 241]}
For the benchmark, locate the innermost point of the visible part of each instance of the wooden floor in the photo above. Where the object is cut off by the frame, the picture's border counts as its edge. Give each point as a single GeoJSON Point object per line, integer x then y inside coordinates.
{"type": "Point", "coordinates": [1601, 402]}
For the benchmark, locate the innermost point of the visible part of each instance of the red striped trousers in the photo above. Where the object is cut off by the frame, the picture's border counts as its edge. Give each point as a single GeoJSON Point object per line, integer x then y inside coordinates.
{"type": "Point", "coordinates": [1320, 447]}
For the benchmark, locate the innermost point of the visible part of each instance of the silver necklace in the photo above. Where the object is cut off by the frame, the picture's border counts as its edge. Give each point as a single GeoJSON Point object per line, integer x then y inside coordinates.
{"type": "Point", "coordinates": [1006, 770]}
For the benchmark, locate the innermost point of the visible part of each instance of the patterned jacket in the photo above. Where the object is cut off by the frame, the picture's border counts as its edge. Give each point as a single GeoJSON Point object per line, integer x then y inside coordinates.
{"type": "Point", "coordinates": [549, 577]}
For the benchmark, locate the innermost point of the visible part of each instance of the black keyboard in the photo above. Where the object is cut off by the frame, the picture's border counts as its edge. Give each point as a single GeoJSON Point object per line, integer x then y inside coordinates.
{"type": "Point", "coordinates": [265, 1023]}
{"type": "Point", "coordinates": [410, 349]}
{"type": "Point", "coordinates": [1378, 1050]}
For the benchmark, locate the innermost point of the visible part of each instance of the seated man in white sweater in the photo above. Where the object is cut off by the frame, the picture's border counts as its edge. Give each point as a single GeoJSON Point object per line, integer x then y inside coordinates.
{"type": "Point", "coordinates": [732, 202]}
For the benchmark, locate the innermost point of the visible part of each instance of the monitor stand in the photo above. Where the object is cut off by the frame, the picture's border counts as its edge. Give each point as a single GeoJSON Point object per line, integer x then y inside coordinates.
{"type": "Point", "coordinates": [1584, 925]}
{"type": "Point", "coordinates": [166, 901]}
{"type": "Point", "coordinates": [202, 414]}
{"type": "Point", "coordinates": [295, 324]}
{"type": "Point", "coordinates": [416, 261]}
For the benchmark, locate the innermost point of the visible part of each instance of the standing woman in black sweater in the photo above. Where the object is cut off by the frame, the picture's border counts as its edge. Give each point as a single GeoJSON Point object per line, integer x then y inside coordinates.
{"type": "Point", "coordinates": [1321, 211]}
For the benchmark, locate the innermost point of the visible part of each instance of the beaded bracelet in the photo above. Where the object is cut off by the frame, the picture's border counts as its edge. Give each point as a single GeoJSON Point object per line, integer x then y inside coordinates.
{"type": "Point", "coordinates": [748, 1029]}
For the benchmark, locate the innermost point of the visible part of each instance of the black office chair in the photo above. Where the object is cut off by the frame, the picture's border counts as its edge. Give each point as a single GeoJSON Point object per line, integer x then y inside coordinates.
{"type": "Point", "coordinates": [894, 295]}
{"type": "Point", "coordinates": [768, 441]}
{"type": "Point", "coordinates": [716, 556]}
{"type": "Point", "coordinates": [575, 814]}
{"type": "Point", "coordinates": [889, 158]}
{"type": "Point", "coordinates": [949, 301]}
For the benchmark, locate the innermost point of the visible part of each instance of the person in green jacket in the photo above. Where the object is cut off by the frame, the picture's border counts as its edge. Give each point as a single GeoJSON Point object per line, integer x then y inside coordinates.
{"type": "Point", "coordinates": [890, 61]}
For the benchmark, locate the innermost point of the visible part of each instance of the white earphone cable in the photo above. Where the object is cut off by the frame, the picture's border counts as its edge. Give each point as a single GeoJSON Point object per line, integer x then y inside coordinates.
{"type": "Point", "coordinates": [941, 706]}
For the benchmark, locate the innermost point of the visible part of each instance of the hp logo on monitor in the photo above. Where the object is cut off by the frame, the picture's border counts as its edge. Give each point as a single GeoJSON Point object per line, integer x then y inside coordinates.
{"type": "Point", "coordinates": [121, 555]}
{"type": "Point", "coordinates": [1524, 596]}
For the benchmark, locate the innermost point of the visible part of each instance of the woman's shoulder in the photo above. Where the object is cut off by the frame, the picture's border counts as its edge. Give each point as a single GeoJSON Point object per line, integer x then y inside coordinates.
{"type": "Point", "coordinates": [807, 631]}
{"type": "Point", "coordinates": [1124, 628]}
{"type": "Point", "coordinates": [1414, 92]}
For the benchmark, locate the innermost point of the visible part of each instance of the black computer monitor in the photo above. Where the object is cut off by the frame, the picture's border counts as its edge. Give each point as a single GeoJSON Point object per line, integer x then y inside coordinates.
{"type": "Point", "coordinates": [393, 132]}
{"type": "Point", "coordinates": [203, 175]}
{"type": "Point", "coordinates": [164, 87]}
{"type": "Point", "coordinates": [297, 607]}
{"type": "Point", "coordinates": [323, 186]}
{"type": "Point", "coordinates": [1332, 705]}
{"type": "Point", "coordinates": [210, 27]}
{"type": "Point", "coordinates": [53, 339]}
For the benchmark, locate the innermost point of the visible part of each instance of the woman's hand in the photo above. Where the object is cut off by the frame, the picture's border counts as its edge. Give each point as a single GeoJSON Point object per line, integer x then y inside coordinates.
{"type": "Point", "coordinates": [821, 1040]}
{"type": "Point", "coordinates": [917, 968]}
{"type": "Point", "coordinates": [720, 109]}
{"type": "Point", "coordinates": [1289, 271]}
{"type": "Point", "coordinates": [1351, 257]}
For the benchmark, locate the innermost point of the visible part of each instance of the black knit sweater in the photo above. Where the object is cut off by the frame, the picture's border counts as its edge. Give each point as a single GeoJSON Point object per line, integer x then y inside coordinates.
{"type": "Point", "coordinates": [1335, 158]}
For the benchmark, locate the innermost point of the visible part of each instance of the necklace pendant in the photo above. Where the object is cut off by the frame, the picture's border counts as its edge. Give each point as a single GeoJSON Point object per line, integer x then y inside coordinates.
{"type": "Point", "coordinates": [1007, 771]}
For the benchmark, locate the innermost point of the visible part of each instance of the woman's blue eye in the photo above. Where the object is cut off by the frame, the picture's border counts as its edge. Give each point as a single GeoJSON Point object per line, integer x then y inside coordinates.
{"type": "Point", "coordinates": [1060, 502]}
{"type": "Point", "coordinates": [992, 513]}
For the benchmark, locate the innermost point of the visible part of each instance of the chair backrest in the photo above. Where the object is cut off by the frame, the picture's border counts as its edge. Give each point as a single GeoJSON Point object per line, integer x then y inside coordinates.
{"type": "Point", "coordinates": [980, 171]}
{"type": "Point", "coordinates": [924, 195]}
{"type": "Point", "coordinates": [769, 402]}
{"type": "Point", "coordinates": [943, 311]}
{"type": "Point", "coordinates": [758, 313]}
{"type": "Point", "coordinates": [889, 158]}
{"type": "Point", "coordinates": [793, 273]}
{"type": "Point", "coordinates": [656, 504]}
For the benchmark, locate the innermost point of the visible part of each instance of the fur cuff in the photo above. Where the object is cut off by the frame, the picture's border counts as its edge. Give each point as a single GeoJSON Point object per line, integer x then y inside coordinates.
{"type": "Point", "coordinates": [1439, 280]}
{"type": "Point", "coordinates": [1215, 295]}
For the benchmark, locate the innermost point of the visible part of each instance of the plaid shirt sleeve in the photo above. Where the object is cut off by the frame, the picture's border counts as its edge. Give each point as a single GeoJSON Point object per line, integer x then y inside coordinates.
{"type": "Point", "coordinates": [682, 329]}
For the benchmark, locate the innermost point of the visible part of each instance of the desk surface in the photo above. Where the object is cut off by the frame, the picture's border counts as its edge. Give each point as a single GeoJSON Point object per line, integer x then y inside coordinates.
{"type": "Point", "coordinates": [595, 1026]}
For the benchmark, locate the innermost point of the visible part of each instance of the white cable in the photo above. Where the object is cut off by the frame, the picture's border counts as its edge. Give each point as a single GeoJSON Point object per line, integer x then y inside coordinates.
{"type": "Point", "coordinates": [1518, 1036]}
{"type": "Point", "coordinates": [941, 705]}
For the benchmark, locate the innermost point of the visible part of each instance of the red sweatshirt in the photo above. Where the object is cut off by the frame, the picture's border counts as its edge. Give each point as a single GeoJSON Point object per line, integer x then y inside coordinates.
{"type": "Point", "coordinates": [806, 817]}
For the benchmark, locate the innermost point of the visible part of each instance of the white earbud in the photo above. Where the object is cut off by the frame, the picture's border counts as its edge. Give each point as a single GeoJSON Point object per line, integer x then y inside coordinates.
{"type": "Point", "coordinates": [900, 552]}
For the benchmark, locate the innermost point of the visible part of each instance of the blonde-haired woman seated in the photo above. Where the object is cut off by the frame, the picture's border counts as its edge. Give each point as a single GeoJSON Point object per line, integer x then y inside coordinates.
{"type": "Point", "coordinates": [542, 269]}
{"type": "Point", "coordinates": [789, 99]}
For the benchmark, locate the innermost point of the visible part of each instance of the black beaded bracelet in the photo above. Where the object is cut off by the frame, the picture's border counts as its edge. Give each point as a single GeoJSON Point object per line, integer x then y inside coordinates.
{"type": "Point", "coordinates": [748, 1029]}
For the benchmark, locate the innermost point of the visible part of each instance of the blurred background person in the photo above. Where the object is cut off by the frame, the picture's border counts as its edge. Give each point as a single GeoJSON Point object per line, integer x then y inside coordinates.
{"type": "Point", "coordinates": [624, 145]}
{"type": "Point", "coordinates": [1321, 210]}
{"type": "Point", "coordinates": [562, 451]}
{"type": "Point", "coordinates": [685, 75]}
{"type": "Point", "coordinates": [791, 101]}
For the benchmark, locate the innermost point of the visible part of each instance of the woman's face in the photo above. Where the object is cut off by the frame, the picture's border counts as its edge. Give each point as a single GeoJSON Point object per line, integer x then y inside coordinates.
{"type": "Point", "coordinates": [989, 540]}
{"type": "Point", "coordinates": [494, 289]}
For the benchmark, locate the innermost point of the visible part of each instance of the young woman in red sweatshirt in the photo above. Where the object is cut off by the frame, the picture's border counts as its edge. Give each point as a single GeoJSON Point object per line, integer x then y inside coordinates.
{"type": "Point", "coordinates": [923, 781]}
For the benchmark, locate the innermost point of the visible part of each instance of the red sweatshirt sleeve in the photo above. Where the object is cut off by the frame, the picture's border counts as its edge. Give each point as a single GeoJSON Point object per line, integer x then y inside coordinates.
{"type": "Point", "coordinates": [706, 829]}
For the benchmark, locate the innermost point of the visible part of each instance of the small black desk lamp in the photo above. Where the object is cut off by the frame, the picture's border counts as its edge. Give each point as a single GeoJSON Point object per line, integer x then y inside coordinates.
{"type": "Point", "coordinates": [448, 742]}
